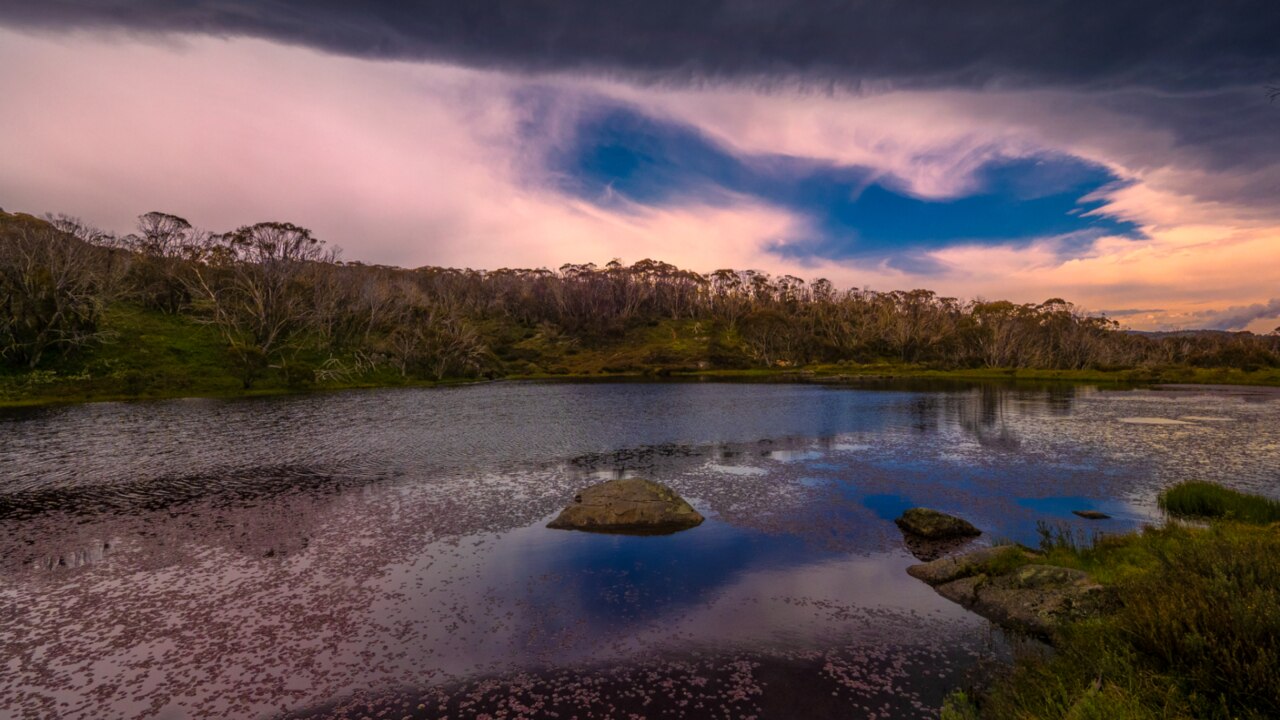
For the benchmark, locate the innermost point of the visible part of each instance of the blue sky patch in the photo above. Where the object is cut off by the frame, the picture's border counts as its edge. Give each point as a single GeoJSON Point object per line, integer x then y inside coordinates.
{"type": "Point", "coordinates": [619, 154]}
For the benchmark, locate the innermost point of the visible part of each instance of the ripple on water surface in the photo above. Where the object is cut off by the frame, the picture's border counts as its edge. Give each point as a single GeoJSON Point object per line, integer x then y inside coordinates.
{"type": "Point", "coordinates": [384, 552]}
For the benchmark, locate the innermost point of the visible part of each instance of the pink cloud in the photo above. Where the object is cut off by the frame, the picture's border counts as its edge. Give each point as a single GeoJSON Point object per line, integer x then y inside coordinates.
{"type": "Point", "coordinates": [417, 164]}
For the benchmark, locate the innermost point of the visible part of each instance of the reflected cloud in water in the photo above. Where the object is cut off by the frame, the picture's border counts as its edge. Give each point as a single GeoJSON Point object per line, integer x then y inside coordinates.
{"type": "Point", "coordinates": [211, 558]}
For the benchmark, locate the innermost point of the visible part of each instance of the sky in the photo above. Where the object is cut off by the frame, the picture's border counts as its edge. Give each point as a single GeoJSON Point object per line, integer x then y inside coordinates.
{"type": "Point", "coordinates": [1124, 155]}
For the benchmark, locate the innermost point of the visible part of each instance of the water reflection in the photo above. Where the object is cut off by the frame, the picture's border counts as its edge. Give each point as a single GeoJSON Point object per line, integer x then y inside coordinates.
{"type": "Point", "coordinates": [210, 558]}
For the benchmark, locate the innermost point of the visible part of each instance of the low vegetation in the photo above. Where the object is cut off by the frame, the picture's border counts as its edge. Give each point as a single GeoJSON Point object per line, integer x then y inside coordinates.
{"type": "Point", "coordinates": [1207, 500]}
{"type": "Point", "coordinates": [1196, 633]}
{"type": "Point", "coordinates": [170, 310]}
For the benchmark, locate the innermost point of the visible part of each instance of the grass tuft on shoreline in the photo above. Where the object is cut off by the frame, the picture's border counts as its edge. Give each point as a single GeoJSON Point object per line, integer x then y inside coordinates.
{"type": "Point", "coordinates": [1214, 502]}
{"type": "Point", "coordinates": [1196, 633]}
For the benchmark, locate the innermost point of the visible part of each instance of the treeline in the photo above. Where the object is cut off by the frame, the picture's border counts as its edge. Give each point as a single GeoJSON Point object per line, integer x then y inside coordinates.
{"type": "Point", "coordinates": [282, 302]}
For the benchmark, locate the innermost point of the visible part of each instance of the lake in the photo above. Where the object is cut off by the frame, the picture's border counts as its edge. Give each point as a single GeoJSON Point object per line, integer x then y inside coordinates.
{"type": "Point", "coordinates": [383, 553]}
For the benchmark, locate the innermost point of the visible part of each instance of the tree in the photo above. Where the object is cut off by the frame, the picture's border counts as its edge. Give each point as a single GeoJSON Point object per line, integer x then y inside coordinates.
{"type": "Point", "coordinates": [163, 245]}
{"type": "Point", "coordinates": [438, 345]}
{"type": "Point", "coordinates": [258, 282]}
{"type": "Point", "coordinates": [54, 286]}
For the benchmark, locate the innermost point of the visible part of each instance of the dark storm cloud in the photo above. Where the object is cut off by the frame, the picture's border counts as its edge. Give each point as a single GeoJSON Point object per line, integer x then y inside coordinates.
{"type": "Point", "coordinates": [1193, 71]}
{"type": "Point", "coordinates": [1231, 133]}
{"type": "Point", "coordinates": [1151, 43]}
{"type": "Point", "coordinates": [1126, 312]}
{"type": "Point", "coordinates": [1238, 317]}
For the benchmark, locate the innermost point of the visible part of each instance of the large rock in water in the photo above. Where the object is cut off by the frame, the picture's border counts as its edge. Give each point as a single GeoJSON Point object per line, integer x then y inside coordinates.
{"type": "Point", "coordinates": [632, 506]}
{"type": "Point", "coordinates": [934, 525]}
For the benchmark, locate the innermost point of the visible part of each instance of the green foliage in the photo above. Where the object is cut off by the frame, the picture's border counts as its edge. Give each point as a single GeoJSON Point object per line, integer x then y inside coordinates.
{"type": "Point", "coordinates": [1210, 501]}
{"type": "Point", "coordinates": [1196, 635]}
{"type": "Point", "coordinates": [1006, 561]}
{"type": "Point", "coordinates": [284, 314]}
{"type": "Point", "coordinates": [54, 286]}
{"type": "Point", "coordinates": [959, 706]}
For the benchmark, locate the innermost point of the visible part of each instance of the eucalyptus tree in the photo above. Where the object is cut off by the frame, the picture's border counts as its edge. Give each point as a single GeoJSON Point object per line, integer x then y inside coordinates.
{"type": "Point", "coordinates": [258, 283]}
{"type": "Point", "coordinates": [56, 280]}
{"type": "Point", "coordinates": [163, 246]}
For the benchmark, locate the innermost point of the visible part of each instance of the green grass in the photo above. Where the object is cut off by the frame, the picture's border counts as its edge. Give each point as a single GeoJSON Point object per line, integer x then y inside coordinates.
{"type": "Point", "coordinates": [1209, 501]}
{"type": "Point", "coordinates": [150, 355]}
{"type": "Point", "coordinates": [153, 355]}
{"type": "Point", "coordinates": [886, 370]}
{"type": "Point", "coordinates": [1196, 633]}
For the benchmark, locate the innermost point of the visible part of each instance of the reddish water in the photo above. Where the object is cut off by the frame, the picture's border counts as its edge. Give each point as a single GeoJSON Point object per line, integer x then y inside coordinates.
{"type": "Point", "coordinates": [383, 554]}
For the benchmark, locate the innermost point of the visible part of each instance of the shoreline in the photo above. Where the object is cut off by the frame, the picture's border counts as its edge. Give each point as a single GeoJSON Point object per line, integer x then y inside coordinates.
{"type": "Point", "coordinates": [1170, 379]}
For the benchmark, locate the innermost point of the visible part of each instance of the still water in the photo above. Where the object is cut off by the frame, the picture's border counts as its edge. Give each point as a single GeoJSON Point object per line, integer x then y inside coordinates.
{"type": "Point", "coordinates": [383, 553]}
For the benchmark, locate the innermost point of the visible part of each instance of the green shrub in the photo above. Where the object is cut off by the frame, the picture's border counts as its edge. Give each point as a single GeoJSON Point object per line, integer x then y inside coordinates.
{"type": "Point", "coordinates": [959, 706]}
{"type": "Point", "coordinates": [1197, 633]}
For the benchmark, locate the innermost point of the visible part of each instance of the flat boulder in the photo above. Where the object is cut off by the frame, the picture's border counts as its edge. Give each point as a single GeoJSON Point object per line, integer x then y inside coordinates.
{"type": "Point", "coordinates": [1031, 598]}
{"type": "Point", "coordinates": [633, 506]}
{"type": "Point", "coordinates": [935, 525]}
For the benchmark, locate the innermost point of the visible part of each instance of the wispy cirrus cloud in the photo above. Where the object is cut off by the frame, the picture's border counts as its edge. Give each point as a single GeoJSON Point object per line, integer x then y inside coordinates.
{"type": "Point", "coordinates": [618, 154]}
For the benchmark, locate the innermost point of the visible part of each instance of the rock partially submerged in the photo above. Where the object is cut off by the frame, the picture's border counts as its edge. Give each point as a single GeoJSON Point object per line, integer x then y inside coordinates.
{"type": "Point", "coordinates": [925, 549]}
{"type": "Point", "coordinates": [632, 506]}
{"type": "Point", "coordinates": [935, 525]}
{"type": "Point", "coordinates": [1091, 514]}
{"type": "Point", "coordinates": [1030, 598]}
{"type": "Point", "coordinates": [967, 564]}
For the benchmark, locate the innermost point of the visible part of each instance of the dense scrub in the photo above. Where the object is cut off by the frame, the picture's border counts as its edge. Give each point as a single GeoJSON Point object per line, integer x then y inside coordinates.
{"type": "Point", "coordinates": [286, 312]}
{"type": "Point", "coordinates": [1196, 635]}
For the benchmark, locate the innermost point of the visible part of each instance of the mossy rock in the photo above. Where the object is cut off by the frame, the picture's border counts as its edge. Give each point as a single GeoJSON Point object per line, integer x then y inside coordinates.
{"type": "Point", "coordinates": [935, 525]}
{"type": "Point", "coordinates": [1033, 599]}
{"type": "Point", "coordinates": [1029, 597]}
{"type": "Point", "coordinates": [976, 562]}
{"type": "Point", "coordinates": [633, 506]}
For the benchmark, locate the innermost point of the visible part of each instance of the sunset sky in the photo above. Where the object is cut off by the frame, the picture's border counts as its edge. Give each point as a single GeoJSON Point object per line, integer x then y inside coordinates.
{"type": "Point", "coordinates": [1122, 155]}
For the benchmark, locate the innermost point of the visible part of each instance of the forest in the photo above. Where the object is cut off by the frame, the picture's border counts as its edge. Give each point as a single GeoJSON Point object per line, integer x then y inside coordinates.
{"type": "Point", "coordinates": [282, 308]}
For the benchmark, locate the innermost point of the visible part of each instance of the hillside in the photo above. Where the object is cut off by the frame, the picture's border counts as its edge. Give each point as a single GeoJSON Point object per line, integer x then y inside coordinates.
{"type": "Point", "coordinates": [170, 311]}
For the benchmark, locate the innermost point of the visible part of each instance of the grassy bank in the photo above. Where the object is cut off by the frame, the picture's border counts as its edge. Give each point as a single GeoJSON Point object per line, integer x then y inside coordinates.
{"type": "Point", "coordinates": [1131, 376]}
{"type": "Point", "coordinates": [149, 355]}
{"type": "Point", "coordinates": [1196, 633]}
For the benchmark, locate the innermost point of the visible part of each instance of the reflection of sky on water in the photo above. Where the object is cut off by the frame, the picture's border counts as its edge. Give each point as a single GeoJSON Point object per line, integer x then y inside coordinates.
{"type": "Point", "coordinates": [888, 506]}
{"type": "Point", "coordinates": [794, 455]}
{"type": "Point", "coordinates": [295, 549]}
{"type": "Point", "coordinates": [1062, 508]}
{"type": "Point", "coordinates": [549, 598]}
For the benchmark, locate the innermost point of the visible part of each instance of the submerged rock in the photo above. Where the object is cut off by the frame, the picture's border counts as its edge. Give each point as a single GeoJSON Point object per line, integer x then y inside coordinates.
{"type": "Point", "coordinates": [1029, 598]}
{"type": "Point", "coordinates": [631, 506]}
{"type": "Point", "coordinates": [925, 549]}
{"type": "Point", "coordinates": [935, 525]}
{"type": "Point", "coordinates": [1091, 514]}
